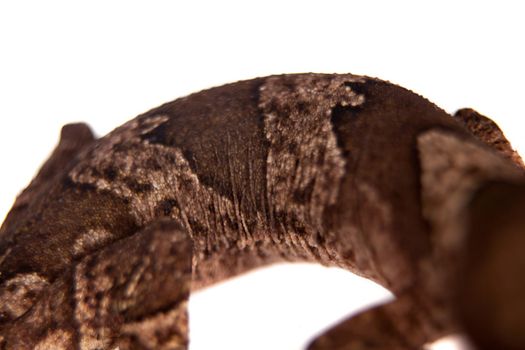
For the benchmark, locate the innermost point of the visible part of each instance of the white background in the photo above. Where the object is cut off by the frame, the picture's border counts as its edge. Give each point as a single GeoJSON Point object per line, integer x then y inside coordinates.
{"type": "Point", "coordinates": [106, 61]}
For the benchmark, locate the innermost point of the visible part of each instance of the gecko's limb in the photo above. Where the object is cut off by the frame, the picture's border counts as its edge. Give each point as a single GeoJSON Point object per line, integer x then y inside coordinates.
{"type": "Point", "coordinates": [105, 300]}
{"type": "Point", "coordinates": [402, 324]}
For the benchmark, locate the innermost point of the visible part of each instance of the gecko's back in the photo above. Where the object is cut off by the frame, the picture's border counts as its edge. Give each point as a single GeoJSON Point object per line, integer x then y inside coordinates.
{"type": "Point", "coordinates": [102, 249]}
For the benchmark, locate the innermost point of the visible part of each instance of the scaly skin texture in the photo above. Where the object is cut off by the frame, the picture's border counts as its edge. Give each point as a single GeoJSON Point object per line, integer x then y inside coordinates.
{"type": "Point", "coordinates": [103, 247]}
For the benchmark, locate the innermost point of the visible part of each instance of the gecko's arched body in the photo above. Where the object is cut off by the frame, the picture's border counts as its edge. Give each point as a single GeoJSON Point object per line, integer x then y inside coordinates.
{"type": "Point", "coordinates": [103, 247]}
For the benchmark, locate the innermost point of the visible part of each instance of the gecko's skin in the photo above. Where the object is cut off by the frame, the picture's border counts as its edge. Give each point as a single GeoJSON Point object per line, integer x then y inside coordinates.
{"type": "Point", "coordinates": [103, 248]}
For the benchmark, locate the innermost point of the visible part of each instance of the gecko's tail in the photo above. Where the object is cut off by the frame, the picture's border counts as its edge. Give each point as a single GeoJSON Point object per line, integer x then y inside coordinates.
{"type": "Point", "coordinates": [491, 282]}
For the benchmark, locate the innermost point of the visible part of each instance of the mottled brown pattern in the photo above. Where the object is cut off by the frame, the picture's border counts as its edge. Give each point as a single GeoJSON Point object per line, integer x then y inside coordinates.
{"type": "Point", "coordinates": [304, 165]}
{"type": "Point", "coordinates": [107, 295]}
{"type": "Point", "coordinates": [103, 247]}
{"type": "Point", "coordinates": [216, 209]}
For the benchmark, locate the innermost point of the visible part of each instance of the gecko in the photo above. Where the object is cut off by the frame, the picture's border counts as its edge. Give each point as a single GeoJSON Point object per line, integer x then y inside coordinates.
{"type": "Point", "coordinates": [105, 245]}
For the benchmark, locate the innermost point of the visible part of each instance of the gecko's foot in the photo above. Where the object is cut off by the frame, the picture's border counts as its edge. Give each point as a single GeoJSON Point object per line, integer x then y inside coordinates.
{"type": "Point", "coordinates": [105, 301]}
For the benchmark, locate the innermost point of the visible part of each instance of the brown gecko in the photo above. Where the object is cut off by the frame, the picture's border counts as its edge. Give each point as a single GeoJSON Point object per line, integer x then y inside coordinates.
{"type": "Point", "coordinates": [102, 249]}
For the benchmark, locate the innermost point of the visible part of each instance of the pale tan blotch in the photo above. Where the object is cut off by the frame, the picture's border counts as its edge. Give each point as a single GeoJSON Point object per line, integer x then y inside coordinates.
{"type": "Point", "coordinates": [92, 334]}
{"type": "Point", "coordinates": [124, 151]}
{"type": "Point", "coordinates": [19, 293]}
{"type": "Point", "coordinates": [56, 340]}
{"type": "Point", "coordinates": [304, 164]}
{"type": "Point", "coordinates": [46, 323]}
{"type": "Point", "coordinates": [91, 240]}
{"type": "Point", "coordinates": [163, 331]}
